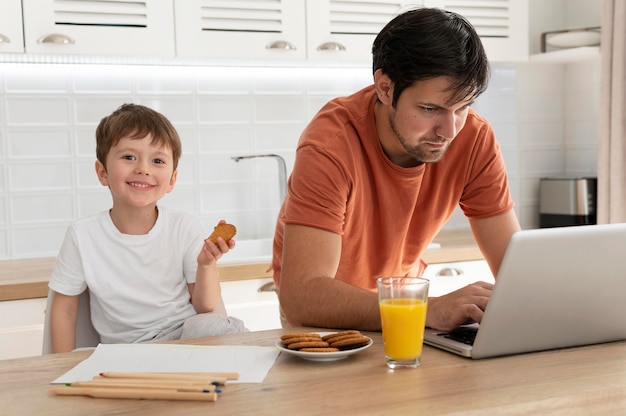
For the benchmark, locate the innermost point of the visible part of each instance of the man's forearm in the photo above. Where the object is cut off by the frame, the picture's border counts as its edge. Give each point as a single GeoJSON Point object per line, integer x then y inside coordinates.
{"type": "Point", "coordinates": [329, 303]}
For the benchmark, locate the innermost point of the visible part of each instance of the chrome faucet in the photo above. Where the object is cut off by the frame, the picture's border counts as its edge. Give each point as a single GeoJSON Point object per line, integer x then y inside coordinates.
{"type": "Point", "coordinates": [282, 172]}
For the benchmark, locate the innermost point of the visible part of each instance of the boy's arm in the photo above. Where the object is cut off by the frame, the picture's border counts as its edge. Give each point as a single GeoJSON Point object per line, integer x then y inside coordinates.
{"type": "Point", "coordinates": [63, 316]}
{"type": "Point", "coordinates": [206, 292]}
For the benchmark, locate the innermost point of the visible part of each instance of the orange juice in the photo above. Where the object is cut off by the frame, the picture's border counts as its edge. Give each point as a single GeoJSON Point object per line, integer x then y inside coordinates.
{"type": "Point", "coordinates": [403, 321]}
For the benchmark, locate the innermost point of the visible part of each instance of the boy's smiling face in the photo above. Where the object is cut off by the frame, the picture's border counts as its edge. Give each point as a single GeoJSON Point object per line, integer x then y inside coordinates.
{"type": "Point", "coordinates": [138, 172]}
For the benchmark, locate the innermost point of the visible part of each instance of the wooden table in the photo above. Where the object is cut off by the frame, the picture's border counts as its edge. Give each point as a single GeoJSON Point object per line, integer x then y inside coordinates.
{"type": "Point", "coordinates": [585, 380]}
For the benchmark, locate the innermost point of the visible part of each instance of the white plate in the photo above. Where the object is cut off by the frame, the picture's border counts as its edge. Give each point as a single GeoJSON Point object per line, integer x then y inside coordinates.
{"type": "Point", "coordinates": [324, 356]}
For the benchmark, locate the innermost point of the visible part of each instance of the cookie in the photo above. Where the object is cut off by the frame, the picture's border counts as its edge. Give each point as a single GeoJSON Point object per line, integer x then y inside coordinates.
{"type": "Point", "coordinates": [307, 344]}
{"type": "Point", "coordinates": [341, 338]}
{"type": "Point", "coordinates": [226, 231]}
{"type": "Point", "coordinates": [319, 349]}
{"type": "Point", "coordinates": [340, 334]}
{"type": "Point", "coordinates": [293, 340]}
{"type": "Point", "coordinates": [350, 342]}
{"type": "Point", "coordinates": [300, 334]}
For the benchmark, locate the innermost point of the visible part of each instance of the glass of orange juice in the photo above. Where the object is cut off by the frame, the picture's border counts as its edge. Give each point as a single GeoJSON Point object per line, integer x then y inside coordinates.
{"type": "Point", "coordinates": [403, 302]}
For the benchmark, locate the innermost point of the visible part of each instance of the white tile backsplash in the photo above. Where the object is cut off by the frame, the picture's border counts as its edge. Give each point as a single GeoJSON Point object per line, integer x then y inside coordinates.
{"type": "Point", "coordinates": [3, 211]}
{"type": "Point", "coordinates": [92, 201]}
{"type": "Point", "coordinates": [498, 106]}
{"type": "Point", "coordinates": [582, 132]}
{"type": "Point", "coordinates": [542, 161]}
{"type": "Point", "coordinates": [89, 110]}
{"type": "Point", "coordinates": [541, 134]}
{"type": "Point", "coordinates": [39, 142]}
{"type": "Point", "coordinates": [41, 79]}
{"type": "Point", "coordinates": [28, 209]}
{"type": "Point", "coordinates": [111, 83]}
{"type": "Point", "coordinates": [580, 161]}
{"type": "Point", "coordinates": [544, 115]}
{"type": "Point", "coordinates": [40, 176]}
{"type": "Point", "coordinates": [223, 109]}
{"type": "Point", "coordinates": [36, 239]}
{"type": "Point", "coordinates": [180, 110]}
{"type": "Point", "coordinates": [4, 241]}
{"type": "Point", "coordinates": [278, 108]}
{"type": "Point", "coordinates": [33, 110]}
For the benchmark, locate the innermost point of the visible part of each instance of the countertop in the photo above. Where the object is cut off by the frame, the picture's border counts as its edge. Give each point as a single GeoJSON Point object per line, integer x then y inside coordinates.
{"type": "Point", "coordinates": [28, 278]}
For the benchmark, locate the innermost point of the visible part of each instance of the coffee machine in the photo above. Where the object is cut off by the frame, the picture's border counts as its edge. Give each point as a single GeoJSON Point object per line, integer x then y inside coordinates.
{"type": "Point", "coordinates": [566, 201]}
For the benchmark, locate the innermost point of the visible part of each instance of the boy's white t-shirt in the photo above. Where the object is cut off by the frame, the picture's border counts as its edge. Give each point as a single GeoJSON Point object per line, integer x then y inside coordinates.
{"type": "Point", "coordinates": [137, 283]}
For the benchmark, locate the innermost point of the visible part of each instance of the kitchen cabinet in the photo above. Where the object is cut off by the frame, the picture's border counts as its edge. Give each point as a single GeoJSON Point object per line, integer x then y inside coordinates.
{"type": "Point", "coordinates": [21, 327]}
{"type": "Point", "coordinates": [503, 25]}
{"type": "Point", "coordinates": [327, 30]}
{"type": "Point", "coordinates": [342, 30]}
{"type": "Point", "coordinates": [345, 30]}
{"type": "Point", "coordinates": [222, 29]}
{"type": "Point", "coordinates": [137, 28]}
{"type": "Point", "coordinates": [335, 31]}
{"type": "Point", "coordinates": [511, 30]}
{"type": "Point", "coordinates": [253, 301]}
{"type": "Point", "coordinates": [11, 36]}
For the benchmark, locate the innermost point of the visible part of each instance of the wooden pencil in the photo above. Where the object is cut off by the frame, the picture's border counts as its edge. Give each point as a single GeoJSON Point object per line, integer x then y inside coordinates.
{"type": "Point", "coordinates": [133, 393]}
{"type": "Point", "coordinates": [158, 381]}
{"type": "Point", "coordinates": [147, 385]}
{"type": "Point", "coordinates": [189, 377]}
{"type": "Point", "coordinates": [170, 375]}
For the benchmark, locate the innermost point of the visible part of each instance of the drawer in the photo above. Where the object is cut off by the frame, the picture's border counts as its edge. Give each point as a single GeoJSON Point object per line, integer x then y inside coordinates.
{"type": "Point", "coordinates": [21, 327]}
{"type": "Point", "coordinates": [16, 313]}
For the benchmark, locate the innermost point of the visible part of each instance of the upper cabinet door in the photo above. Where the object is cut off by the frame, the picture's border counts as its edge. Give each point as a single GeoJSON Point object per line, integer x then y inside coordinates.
{"type": "Point", "coordinates": [100, 27]}
{"type": "Point", "coordinates": [344, 30]}
{"type": "Point", "coordinates": [503, 25]}
{"type": "Point", "coordinates": [242, 29]}
{"type": "Point", "coordinates": [11, 37]}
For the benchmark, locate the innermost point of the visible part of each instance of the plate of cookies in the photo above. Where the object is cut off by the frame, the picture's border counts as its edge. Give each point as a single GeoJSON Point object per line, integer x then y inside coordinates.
{"type": "Point", "coordinates": [323, 346]}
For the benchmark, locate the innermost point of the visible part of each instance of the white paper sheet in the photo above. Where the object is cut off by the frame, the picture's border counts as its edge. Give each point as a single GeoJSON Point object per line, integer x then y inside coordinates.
{"type": "Point", "coordinates": [252, 363]}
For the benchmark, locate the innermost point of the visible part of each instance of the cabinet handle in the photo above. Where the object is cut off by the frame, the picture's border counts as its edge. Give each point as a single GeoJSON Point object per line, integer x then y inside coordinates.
{"type": "Point", "coordinates": [4, 39]}
{"type": "Point", "coordinates": [281, 44]}
{"type": "Point", "coordinates": [267, 287]}
{"type": "Point", "coordinates": [56, 38]}
{"type": "Point", "coordinates": [331, 46]}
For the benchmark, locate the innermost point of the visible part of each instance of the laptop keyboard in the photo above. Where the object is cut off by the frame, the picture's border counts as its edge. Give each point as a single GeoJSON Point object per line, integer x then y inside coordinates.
{"type": "Point", "coordinates": [464, 335]}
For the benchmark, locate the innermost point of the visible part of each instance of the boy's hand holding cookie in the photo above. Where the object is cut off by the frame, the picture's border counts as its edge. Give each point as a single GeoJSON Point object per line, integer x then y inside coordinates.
{"type": "Point", "coordinates": [224, 230]}
{"type": "Point", "coordinates": [213, 252]}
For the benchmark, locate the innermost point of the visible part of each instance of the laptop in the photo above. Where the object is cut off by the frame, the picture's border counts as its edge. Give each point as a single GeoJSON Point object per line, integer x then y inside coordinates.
{"type": "Point", "coordinates": [556, 288]}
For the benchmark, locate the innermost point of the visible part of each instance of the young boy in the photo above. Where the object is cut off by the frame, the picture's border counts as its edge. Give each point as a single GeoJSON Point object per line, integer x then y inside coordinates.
{"type": "Point", "coordinates": [150, 272]}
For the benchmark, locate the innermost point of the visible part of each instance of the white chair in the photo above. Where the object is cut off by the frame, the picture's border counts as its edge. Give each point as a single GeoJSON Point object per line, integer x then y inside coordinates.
{"type": "Point", "coordinates": [86, 335]}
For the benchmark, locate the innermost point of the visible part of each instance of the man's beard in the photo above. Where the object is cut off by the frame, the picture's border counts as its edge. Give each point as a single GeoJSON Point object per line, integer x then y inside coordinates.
{"type": "Point", "coordinates": [419, 154]}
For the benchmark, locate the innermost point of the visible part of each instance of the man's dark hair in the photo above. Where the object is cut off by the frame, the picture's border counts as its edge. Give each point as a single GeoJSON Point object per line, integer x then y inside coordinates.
{"type": "Point", "coordinates": [426, 43]}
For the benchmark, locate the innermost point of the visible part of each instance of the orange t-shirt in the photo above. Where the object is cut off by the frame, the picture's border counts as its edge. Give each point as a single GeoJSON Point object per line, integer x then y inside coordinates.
{"type": "Point", "coordinates": [386, 214]}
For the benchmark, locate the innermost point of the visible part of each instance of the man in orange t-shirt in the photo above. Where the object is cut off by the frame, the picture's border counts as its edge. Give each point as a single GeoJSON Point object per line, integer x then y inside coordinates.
{"type": "Point", "coordinates": [371, 186]}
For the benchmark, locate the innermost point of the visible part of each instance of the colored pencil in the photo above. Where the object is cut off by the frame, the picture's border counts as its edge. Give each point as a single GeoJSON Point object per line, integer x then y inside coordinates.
{"type": "Point", "coordinates": [158, 381]}
{"type": "Point", "coordinates": [173, 374]}
{"type": "Point", "coordinates": [147, 385]}
{"type": "Point", "coordinates": [211, 378]}
{"type": "Point", "coordinates": [133, 393]}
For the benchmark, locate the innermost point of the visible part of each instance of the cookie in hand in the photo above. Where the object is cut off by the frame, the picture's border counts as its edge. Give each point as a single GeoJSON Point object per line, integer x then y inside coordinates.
{"type": "Point", "coordinates": [226, 231]}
